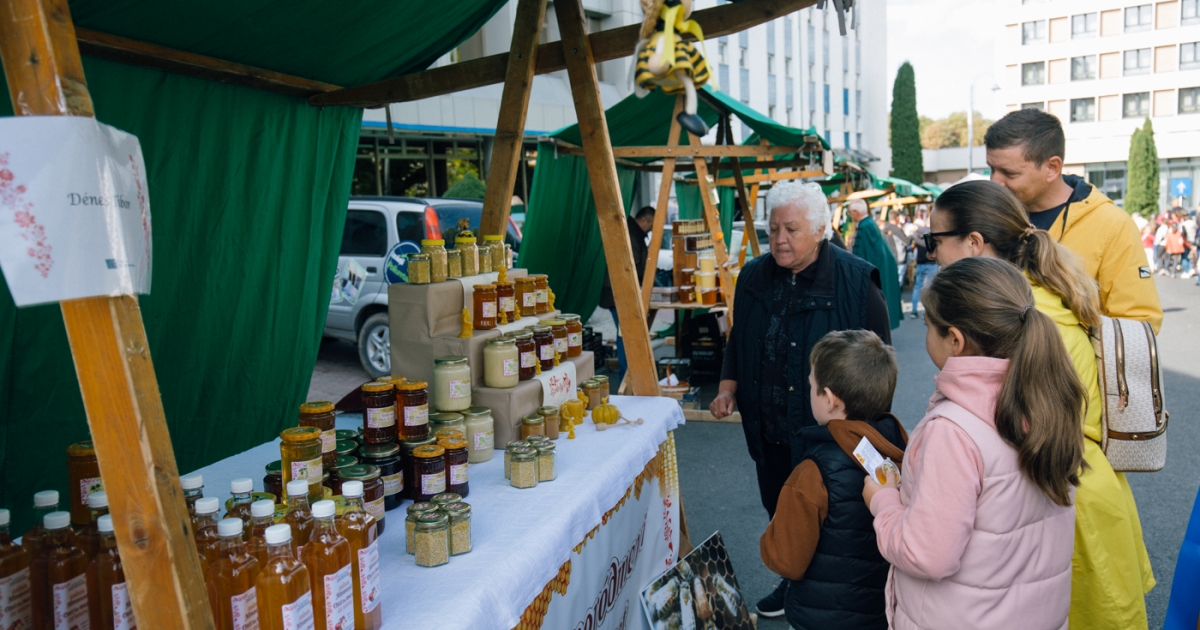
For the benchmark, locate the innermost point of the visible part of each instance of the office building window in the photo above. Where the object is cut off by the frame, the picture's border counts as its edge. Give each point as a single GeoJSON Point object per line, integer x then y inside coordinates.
{"type": "Point", "coordinates": [742, 56]}
{"type": "Point", "coordinates": [771, 90]}
{"type": "Point", "coordinates": [723, 76]}
{"type": "Point", "coordinates": [789, 86]}
{"type": "Point", "coordinates": [771, 112]}
{"type": "Point", "coordinates": [858, 141]}
{"type": "Point", "coordinates": [858, 55]}
{"type": "Point", "coordinates": [812, 45]}
{"type": "Point", "coordinates": [787, 37]}
{"type": "Point", "coordinates": [845, 102]}
{"type": "Point", "coordinates": [744, 39]}
{"type": "Point", "coordinates": [744, 79]}
{"type": "Point", "coordinates": [1033, 73]}
{"type": "Point", "coordinates": [721, 47]}
{"type": "Point", "coordinates": [826, 98]}
{"type": "Point", "coordinates": [791, 118]}
{"type": "Point", "coordinates": [812, 96]}
{"type": "Point", "coordinates": [845, 54]}
{"type": "Point", "coordinates": [858, 103]}
{"type": "Point", "coordinates": [1085, 25]}
{"type": "Point", "coordinates": [1139, 18]}
{"type": "Point", "coordinates": [825, 47]}
{"type": "Point", "coordinates": [770, 63]}
{"type": "Point", "coordinates": [1137, 61]}
{"type": "Point", "coordinates": [1083, 109]}
{"type": "Point", "coordinates": [1189, 100]}
{"type": "Point", "coordinates": [1033, 32]}
{"type": "Point", "coordinates": [1191, 12]}
{"type": "Point", "coordinates": [846, 139]}
{"type": "Point", "coordinates": [787, 67]}
{"type": "Point", "coordinates": [827, 138]}
{"type": "Point", "coordinates": [770, 37]}
{"type": "Point", "coordinates": [1137, 105]}
{"type": "Point", "coordinates": [1189, 55]}
{"type": "Point", "coordinates": [1083, 68]}
{"type": "Point", "coordinates": [1040, 106]}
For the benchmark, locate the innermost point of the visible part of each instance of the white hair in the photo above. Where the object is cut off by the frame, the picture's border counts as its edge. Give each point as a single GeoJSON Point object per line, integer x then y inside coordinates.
{"type": "Point", "coordinates": [808, 196]}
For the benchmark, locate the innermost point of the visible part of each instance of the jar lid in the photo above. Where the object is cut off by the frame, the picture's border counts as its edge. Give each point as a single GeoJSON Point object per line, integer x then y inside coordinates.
{"type": "Point", "coordinates": [450, 360]}
{"type": "Point", "coordinates": [377, 386]}
{"type": "Point", "coordinates": [548, 410]}
{"type": "Point", "coordinates": [345, 447]}
{"type": "Point", "coordinates": [446, 498]}
{"type": "Point", "coordinates": [445, 417]}
{"type": "Point", "coordinates": [533, 440]}
{"type": "Point", "coordinates": [525, 454]}
{"type": "Point", "coordinates": [555, 322]}
{"type": "Point", "coordinates": [412, 386]}
{"type": "Point", "coordinates": [394, 379]}
{"type": "Point", "coordinates": [521, 334]}
{"type": "Point", "coordinates": [451, 443]}
{"type": "Point", "coordinates": [502, 341]}
{"type": "Point", "coordinates": [524, 279]}
{"type": "Point", "coordinates": [428, 451]}
{"type": "Point", "coordinates": [345, 461]}
{"type": "Point", "coordinates": [275, 468]}
{"type": "Point", "coordinates": [464, 239]}
{"type": "Point", "coordinates": [591, 383]}
{"type": "Point", "coordinates": [532, 418]}
{"type": "Point", "coordinates": [418, 257]}
{"type": "Point", "coordinates": [379, 451]}
{"type": "Point", "coordinates": [504, 284]}
{"type": "Point", "coordinates": [515, 444]}
{"type": "Point", "coordinates": [432, 242]}
{"type": "Point", "coordinates": [539, 276]}
{"type": "Point", "coordinates": [81, 449]}
{"type": "Point", "coordinates": [493, 237]}
{"type": "Point", "coordinates": [485, 287]}
{"type": "Point", "coordinates": [454, 253]}
{"type": "Point", "coordinates": [457, 510]}
{"type": "Point", "coordinates": [570, 317]}
{"type": "Point", "coordinates": [346, 434]}
{"type": "Point", "coordinates": [410, 445]}
{"type": "Point", "coordinates": [540, 328]}
{"type": "Point", "coordinates": [431, 521]}
{"type": "Point", "coordinates": [359, 472]}
{"type": "Point", "coordinates": [316, 406]}
{"type": "Point", "coordinates": [545, 447]}
{"type": "Point", "coordinates": [600, 378]}
{"type": "Point", "coordinates": [441, 434]}
{"type": "Point", "coordinates": [476, 412]}
{"type": "Point", "coordinates": [301, 434]}
{"type": "Point", "coordinates": [421, 508]}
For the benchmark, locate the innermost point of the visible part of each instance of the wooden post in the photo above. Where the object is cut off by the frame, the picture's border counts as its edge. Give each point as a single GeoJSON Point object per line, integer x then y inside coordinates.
{"type": "Point", "coordinates": [610, 209]}
{"type": "Point", "coordinates": [749, 230]}
{"type": "Point", "coordinates": [660, 208]}
{"type": "Point", "coordinates": [112, 358]}
{"type": "Point", "coordinates": [510, 127]}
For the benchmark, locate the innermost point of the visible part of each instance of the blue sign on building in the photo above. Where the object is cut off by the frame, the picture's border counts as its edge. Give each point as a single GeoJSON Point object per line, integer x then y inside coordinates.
{"type": "Point", "coordinates": [1181, 187]}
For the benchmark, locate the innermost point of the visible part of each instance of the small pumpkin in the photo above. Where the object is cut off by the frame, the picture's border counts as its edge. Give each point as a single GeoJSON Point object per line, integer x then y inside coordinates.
{"type": "Point", "coordinates": [606, 413]}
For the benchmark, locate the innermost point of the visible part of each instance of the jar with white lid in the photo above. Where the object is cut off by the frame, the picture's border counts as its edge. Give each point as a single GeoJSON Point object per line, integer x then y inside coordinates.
{"type": "Point", "coordinates": [451, 383]}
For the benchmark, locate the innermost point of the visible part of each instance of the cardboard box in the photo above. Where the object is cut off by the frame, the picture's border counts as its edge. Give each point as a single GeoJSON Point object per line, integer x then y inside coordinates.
{"type": "Point", "coordinates": [509, 405]}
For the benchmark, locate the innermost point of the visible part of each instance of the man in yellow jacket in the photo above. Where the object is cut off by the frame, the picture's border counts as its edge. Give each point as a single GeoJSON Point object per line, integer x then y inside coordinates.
{"type": "Point", "coordinates": [1025, 151]}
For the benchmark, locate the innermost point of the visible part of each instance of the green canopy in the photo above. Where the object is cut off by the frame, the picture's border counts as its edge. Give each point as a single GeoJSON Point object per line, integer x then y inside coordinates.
{"type": "Point", "coordinates": [248, 191]}
{"type": "Point", "coordinates": [905, 188]}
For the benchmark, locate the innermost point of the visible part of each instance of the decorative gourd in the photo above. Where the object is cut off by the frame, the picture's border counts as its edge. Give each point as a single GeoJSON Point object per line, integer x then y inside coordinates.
{"type": "Point", "coordinates": [606, 413]}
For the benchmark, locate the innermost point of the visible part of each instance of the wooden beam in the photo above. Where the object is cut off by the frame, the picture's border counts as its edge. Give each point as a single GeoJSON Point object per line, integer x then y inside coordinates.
{"type": "Point", "coordinates": [660, 209]}
{"type": "Point", "coordinates": [615, 43]}
{"type": "Point", "coordinates": [704, 151]}
{"type": "Point", "coordinates": [749, 231]}
{"type": "Point", "coordinates": [510, 127]}
{"type": "Point", "coordinates": [769, 177]}
{"type": "Point", "coordinates": [112, 358]}
{"type": "Point", "coordinates": [135, 53]}
{"type": "Point", "coordinates": [610, 210]}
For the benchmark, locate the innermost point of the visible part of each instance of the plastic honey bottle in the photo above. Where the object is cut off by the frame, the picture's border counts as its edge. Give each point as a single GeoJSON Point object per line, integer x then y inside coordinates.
{"type": "Point", "coordinates": [205, 523]}
{"type": "Point", "coordinates": [327, 556]}
{"type": "Point", "coordinates": [262, 516]}
{"type": "Point", "coordinates": [358, 528]}
{"type": "Point", "coordinates": [284, 594]}
{"type": "Point", "coordinates": [59, 575]}
{"type": "Point", "coordinates": [193, 490]}
{"type": "Point", "coordinates": [44, 502]}
{"type": "Point", "coordinates": [108, 598]}
{"type": "Point", "coordinates": [241, 489]}
{"type": "Point", "coordinates": [89, 538]}
{"type": "Point", "coordinates": [15, 609]}
{"type": "Point", "coordinates": [231, 580]}
{"type": "Point", "coordinates": [299, 515]}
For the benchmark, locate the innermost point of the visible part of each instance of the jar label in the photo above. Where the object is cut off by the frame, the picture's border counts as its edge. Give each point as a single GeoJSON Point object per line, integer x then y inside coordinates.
{"type": "Point", "coordinates": [375, 508]}
{"type": "Point", "coordinates": [529, 299]}
{"type": "Point", "coordinates": [560, 344]}
{"type": "Point", "coordinates": [298, 615]}
{"type": "Point", "coordinates": [393, 484]}
{"type": "Point", "coordinates": [543, 295]}
{"type": "Point", "coordinates": [574, 339]}
{"type": "Point", "coordinates": [123, 610]}
{"type": "Point", "coordinates": [70, 604]}
{"type": "Point", "coordinates": [368, 577]}
{"type": "Point", "coordinates": [328, 441]}
{"type": "Point", "coordinates": [460, 389]}
{"type": "Point", "coordinates": [510, 367]}
{"type": "Point", "coordinates": [433, 484]}
{"type": "Point", "coordinates": [508, 304]}
{"type": "Point", "coordinates": [88, 486]}
{"type": "Point", "coordinates": [16, 611]}
{"type": "Point", "coordinates": [416, 415]}
{"type": "Point", "coordinates": [458, 474]}
{"type": "Point", "coordinates": [547, 352]}
{"type": "Point", "coordinates": [489, 309]}
{"type": "Point", "coordinates": [310, 469]}
{"type": "Point", "coordinates": [484, 440]}
{"type": "Point", "coordinates": [339, 599]}
{"type": "Point", "coordinates": [381, 417]}
{"type": "Point", "coordinates": [244, 608]}
{"type": "Point", "coordinates": [528, 359]}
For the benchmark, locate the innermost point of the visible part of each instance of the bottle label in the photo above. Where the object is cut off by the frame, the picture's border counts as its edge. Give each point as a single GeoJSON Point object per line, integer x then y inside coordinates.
{"type": "Point", "coordinates": [381, 417]}
{"type": "Point", "coordinates": [368, 577]}
{"type": "Point", "coordinates": [433, 484]}
{"type": "Point", "coordinates": [310, 469]}
{"type": "Point", "coordinates": [484, 440]}
{"type": "Point", "coordinates": [88, 486]}
{"type": "Point", "coordinates": [339, 599]}
{"type": "Point", "coordinates": [393, 483]}
{"type": "Point", "coordinates": [560, 344]}
{"type": "Point", "coordinates": [328, 441]}
{"type": "Point", "coordinates": [245, 610]}
{"type": "Point", "coordinates": [529, 299]}
{"type": "Point", "coordinates": [510, 367]}
{"type": "Point", "coordinates": [458, 474]}
{"type": "Point", "coordinates": [574, 339]}
{"type": "Point", "coordinates": [547, 352]}
{"type": "Point", "coordinates": [375, 508]}
{"type": "Point", "coordinates": [460, 389]}
{"type": "Point", "coordinates": [70, 604]}
{"type": "Point", "coordinates": [528, 359]}
{"type": "Point", "coordinates": [123, 610]}
{"type": "Point", "coordinates": [543, 295]}
{"type": "Point", "coordinates": [298, 615]}
{"type": "Point", "coordinates": [15, 608]}
{"type": "Point", "coordinates": [489, 309]}
{"type": "Point", "coordinates": [416, 415]}
{"type": "Point", "coordinates": [508, 304]}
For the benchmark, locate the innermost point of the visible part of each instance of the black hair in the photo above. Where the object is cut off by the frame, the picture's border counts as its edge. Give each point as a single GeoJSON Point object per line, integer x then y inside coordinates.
{"type": "Point", "coordinates": [645, 211]}
{"type": "Point", "coordinates": [1040, 133]}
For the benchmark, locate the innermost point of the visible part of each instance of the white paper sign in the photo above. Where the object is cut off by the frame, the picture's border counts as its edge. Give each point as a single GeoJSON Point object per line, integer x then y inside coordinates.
{"type": "Point", "coordinates": [558, 385]}
{"type": "Point", "coordinates": [74, 210]}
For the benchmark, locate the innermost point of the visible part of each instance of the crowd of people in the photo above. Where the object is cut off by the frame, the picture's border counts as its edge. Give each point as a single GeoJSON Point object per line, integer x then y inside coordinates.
{"type": "Point", "coordinates": [1170, 242]}
{"type": "Point", "coordinates": [1000, 509]}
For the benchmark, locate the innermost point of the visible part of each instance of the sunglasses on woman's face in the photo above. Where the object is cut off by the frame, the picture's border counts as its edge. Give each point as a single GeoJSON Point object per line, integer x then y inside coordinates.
{"type": "Point", "coordinates": [931, 242]}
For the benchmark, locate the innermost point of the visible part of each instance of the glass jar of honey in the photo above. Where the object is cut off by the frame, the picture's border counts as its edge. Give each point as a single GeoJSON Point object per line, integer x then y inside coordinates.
{"type": "Point", "coordinates": [347, 448]}
{"type": "Point", "coordinates": [419, 269]}
{"type": "Point", "coordinates": [430, 472]}
{"type": "Point", "coordinates": [591, 389]}
{"type": "Point", "coordinates": [386, 457]}
{"type": "Point", "coordinates": [447, 420]}
{"type": "Point", "coordinates": [412, 413]}
{"type": "Point", "coordinates": [456, 465]}
{"type": "Point", "coordinates": [346, 434]}
{"type": "Point", "coordinates": [343, 461]}
{"type": "Point", "coordinates": [379, 412]}
{"type": "Point", "coordinates": [532, 424]}
{"type": "Point", "coordinates": [506, 293]}
{"type": "Point", "coordinates": [574, 334]}
{"type": "Point", "coordinates": [273, 480]}
{"type": "Point", "coordinates": [83, 470]}
{"type": "Point", "coordinates": [480, 434]}
{"type": "Point", "coordinates": [550, 417]}
{"type": "Point", "coordinates": [438, 264]}
{"type": "Point", "coordinates": [500, 361]}
{"type": "Point", "coordinates": [495, 245]}
{"type": "Point", "coordinates": [527, 352]}
{"type": "Point", "coordinates": [526, 290]}
{"type": "Point", "coordinates": [484, 298]}
{"type": "Point", "coordinates": [542, 282]}
{"type": "Point", "coordinates": [544, 338]}
{"type": "Point", "coordinates": [466, 246]}
{"type": "Point", "coordinates": [300, 454]}
{"type": "Point", "coordinates": [451, 383]}
{"type": "Point", "coordinates": [485, 260]}
{"type": "Point", "coordinates": [602, 383]}
{"type": "Point", "coordinates": [558, 328]}
{"type": "Point", "coordinates": [454, 264]}
{"type": "Point", "coordinates": [374, 501]}
{"type": "Point", "coordinates": [451, 434]}
{"type": "Point", "coordinates": [320, 414]}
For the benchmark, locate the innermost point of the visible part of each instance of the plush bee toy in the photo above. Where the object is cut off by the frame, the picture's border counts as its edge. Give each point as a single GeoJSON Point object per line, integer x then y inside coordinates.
{"type": "Point", "coordinates": [668, 62]}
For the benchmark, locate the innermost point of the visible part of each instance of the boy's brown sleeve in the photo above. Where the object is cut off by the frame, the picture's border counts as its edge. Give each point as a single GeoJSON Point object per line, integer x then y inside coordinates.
{"type": "Point", "coordinates": [791, 539]}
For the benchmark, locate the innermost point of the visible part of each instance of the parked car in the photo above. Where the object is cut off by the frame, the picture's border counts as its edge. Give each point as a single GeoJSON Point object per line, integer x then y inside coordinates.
{"type": "Point", "coordinates": [375, 227]}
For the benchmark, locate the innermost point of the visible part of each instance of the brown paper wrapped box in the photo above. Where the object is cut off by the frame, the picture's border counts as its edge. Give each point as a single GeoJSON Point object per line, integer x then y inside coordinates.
{"type": "Point", "coordinates": [509, 405]}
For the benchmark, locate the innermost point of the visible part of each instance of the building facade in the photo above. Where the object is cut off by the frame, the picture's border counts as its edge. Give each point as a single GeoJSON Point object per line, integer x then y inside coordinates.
{"type": "Point", "coordinates": [1103, 67]}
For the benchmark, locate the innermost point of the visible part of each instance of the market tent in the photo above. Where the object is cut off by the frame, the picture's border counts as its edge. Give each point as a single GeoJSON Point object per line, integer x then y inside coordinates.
{"type": "Point", "coordinates": [904, 188]}
{"type": "Point", "coordinates": [248, 193]}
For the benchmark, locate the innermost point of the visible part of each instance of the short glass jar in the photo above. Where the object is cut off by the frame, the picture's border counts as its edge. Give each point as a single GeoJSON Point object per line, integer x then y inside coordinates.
{"type": "Point", "coordinates": [506, 293]}
{"type": "Point", "coordinates": [346, 434]}
{"type": "Point", "coordinates": [343, 461]}
{"type": "Point", "coordinates": [408, 462]}
{"type": "Point", "coordinates": [544, 338]}
{"type": "Point", "coordinates": [550, 416]}
{"type": "Point", "coordinates": [460, 527]}
{"type": "Point", "coordinates": [386, 457]}
{"type": "Point", "coordinates": [429, 466]}
{"type": "Point", "coordinates": [451, 383]}
{"type": "Point", "coordinates": [495, 248]}
{"type": "Point", "coordinates": [410, 523]}
{"type": "Point", "coordinates": [508, 451]}
{"type": "Point", "coordinates": [546, 464]}
{"type": "Point", "coordinates": [602, 383]}
{"type": "Point", "coordinates": [523, 465]}
{"type": "Point", "coordinates": [447, 420]}
{"type": "Point", "coordinates": [466, 246]}
{"type": "Point", "coordinates": [445, 498]}
{"type": "Point", "coordinates": [501, 363]}
{"type": "Point", "coordinates": [438, 264]}
{"type": "Point", "coordinates": [347, 447]}
{"type": "Point", "coordinates": [591, 389]}
{"type": "Point", "coordinates": [485, 260]}
{"type": "Point", "coordinates": [432, 541]}
{"type": "Point", "coordinates": [374, 501]}
{"type": "Point", "coordinates": [412, 410]}
{"type": "Point", "coordinates": [532, 424]}
{"type": "Point", "coordinates": [300, 454]}
{"type": "Point", "coordinates": [526, 290]}
{"type": "Point", "coordinates": [320, 414]}
{"type": "Point", "coordinates": [480, 434]}
{"type": "Point", "coordinates": [419, 269]}
{"type": "Point", "coordinates": [542, 282]}
{"type": "Point", "coordinates": [454, 264]}
{"type": "Point", "coordinates": [574, 334]}
{"type": "Point", "coordinates": [456, 465]}
{"type": "Point", "coordinates": [273, 480]}
{"type": "Point", "coordinates": [558, 328]}
{"type": "Point", "coordinates": [484, 314]}
{"type": "Point", "coordinates": [527, 353]}
{"type": "Point", "coordinates": [379, 412]}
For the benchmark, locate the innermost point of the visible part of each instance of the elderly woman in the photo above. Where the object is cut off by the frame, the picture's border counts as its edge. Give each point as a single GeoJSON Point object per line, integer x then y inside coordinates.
{"type": "Point", "coordinates": [785, 303]}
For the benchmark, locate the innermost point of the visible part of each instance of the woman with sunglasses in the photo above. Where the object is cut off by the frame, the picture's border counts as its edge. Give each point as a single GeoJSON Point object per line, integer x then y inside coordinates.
{"type": "Point", "coordinates": [1110, 568]}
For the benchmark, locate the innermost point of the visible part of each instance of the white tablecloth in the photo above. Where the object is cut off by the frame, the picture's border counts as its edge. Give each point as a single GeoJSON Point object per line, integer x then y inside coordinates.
{"type": "Point", "coordinates": [520, 537]}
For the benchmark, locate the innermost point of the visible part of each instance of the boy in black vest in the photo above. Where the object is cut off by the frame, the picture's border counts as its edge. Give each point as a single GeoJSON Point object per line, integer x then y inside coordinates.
{"type": "Point", "coordinates": [822, 538]}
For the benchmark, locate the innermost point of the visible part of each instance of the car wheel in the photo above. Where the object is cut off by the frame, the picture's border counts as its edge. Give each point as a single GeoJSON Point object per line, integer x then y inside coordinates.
{"type": "Point", "coordinates": [375, 345]}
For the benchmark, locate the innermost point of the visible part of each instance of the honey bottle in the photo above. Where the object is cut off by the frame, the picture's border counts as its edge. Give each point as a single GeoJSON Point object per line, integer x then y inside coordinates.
{"type": "Point", "coordinates": [108, 597]}
{"type": "Point", "coordinates": [262, 516]}
{"type": "Point", "coordinates": [358, 528]}
{"type": "Point", "coordinates": [282, 588]}
{"type": "Point", "coordinates": [327, 556]}
{"type": "Point", "coordinates": [44, 502]}
{"type": "Point", "coordinates": [241, 489]}
{"type": "Point", "coordinates": [231, 580]}
{"type": "Point", "coordinates": [14, 580]}
{"type": "Point", "coordinates": [58, 577]}
{"type": "Point", "coordinates": [89, 538]}
{"type": "Point", "coordinates": [193, 490]}
{"type": "Point", "coordinates": [299, 515]}
{"type": "Point", "coordinates": [205, 523]}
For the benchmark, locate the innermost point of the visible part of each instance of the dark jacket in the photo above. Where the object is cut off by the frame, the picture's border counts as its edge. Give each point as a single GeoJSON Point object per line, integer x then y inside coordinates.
{"type": "Point", "coordinates": [837, 300]}
{"type": "Point", "coordinates": [637, 242]}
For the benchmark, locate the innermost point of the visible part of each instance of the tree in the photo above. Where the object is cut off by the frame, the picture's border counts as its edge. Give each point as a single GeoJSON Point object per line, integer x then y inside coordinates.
{"type": "Point", "coordinates": [1141, 196]}
{"type": "Point", "coordinates": [951, 131]}
{"type": "Point", "coordinates": [906, 127]}
{"type": "Point", "coordinates": [467, 187]}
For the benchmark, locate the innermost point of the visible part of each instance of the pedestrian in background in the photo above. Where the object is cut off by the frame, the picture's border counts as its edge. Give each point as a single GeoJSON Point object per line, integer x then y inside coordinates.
{"type": "Point", "coordinates": [868, 244]}
{"type": "Point", "coordinates": [926, 266]}
{"type": "Point", "coordinates": [639, 226]}
{"type": "Point", "coordinates": [1175, 248]}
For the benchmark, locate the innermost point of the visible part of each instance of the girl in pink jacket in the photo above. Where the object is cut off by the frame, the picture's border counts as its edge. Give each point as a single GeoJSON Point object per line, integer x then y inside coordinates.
{"type": "Point", "coordinates": [980, 532]}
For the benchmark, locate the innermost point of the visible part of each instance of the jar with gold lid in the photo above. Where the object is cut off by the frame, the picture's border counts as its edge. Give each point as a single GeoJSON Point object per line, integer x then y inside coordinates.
{"type": "Point", "coordinates": [320, 414]}
{"type": "Point", "coordinates": [602, 383]}
{"type": "Point", "coordinates": [379, 412]}
{"type": "Point", "coordinates": [300, 454]}
{"type": "Point", "coordinates": [484, 298]}
{"type": "Point", "coordinates": [435, 248]}
{"type": "Point", "coordinates": [542, 283]}
{"type": "Point", "coordinates": [456, 465]}
{"type": "Point", "coordinates": [410, 521]}
{"type": "Point", "coordinates": [495, 246]}
{"type": "Point", "coordinates": [432, 540]}
{"type": "Point", "coordinates": [429, 468]}
{"type": "Point", "coordinates": [419, 269]}
{"type": "Point", "coordinates": [574, 334]}
{"type": "Point", "coordinates": [544, 338]}
{"type": "Point", "coordinates": [532, 424]}
{"type": "Point", "coordinates": [454, 264]}
{"type": "Point", "coordinates": [546, 464]}
{"type": "Point", "coordinates": [408, 462]}
{"type": "Point", "coordinates": [466, 246]}
{"type": "Point", "coordinates": [508, 451]}
{"type": "Point", "coordinates": [527, 354]}
{"type": "Point", "coordinates": [83, 470]}
{"type": "Point", "coordinates": [558, 328]}
{"type": "Point", "coordinates": [550, 418]}
{"type": "Point", "coordinates": [506, 300]}
{"type": "Point", "coordinates": [443, 420]}
{"type": "Point", "coordinates": [448, 434]}
{"type": "Point", "coordinates": [412, 410]}
{"type": "Point", "coordinates": [526, 289]}
{"type": "Point", "coordinates": [485, 259]}
{"type": "Point", "coordinates": [591, 389]}
{"type": "Point", "coordinates": [523, 468]}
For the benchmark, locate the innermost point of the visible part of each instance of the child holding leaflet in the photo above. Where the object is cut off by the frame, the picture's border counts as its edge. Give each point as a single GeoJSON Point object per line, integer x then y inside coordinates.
{"type": "Point", "coordinates": [821, 538]}
{"type": "Point", "coordinates": [980, 533]}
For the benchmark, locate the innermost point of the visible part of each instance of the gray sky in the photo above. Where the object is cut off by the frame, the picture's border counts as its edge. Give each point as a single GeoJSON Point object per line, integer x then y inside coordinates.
{"type": "Point", "coordinates": [948, 43]}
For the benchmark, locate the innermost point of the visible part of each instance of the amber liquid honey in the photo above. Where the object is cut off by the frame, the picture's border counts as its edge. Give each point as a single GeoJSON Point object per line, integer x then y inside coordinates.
{"type": "Point", "coordinates": [327, 556]}
{"type": "Point", "coordinates": [89, 539]}
{"type": "Point", "coordinates": [106, 585]}
{"type": "Point", "coordinates": [231, 585]}
{"type": "Point", "coordinates": [358, 528]}
{"type": "Point", "coordinates": [14, 579]}
{"type": "Point", "coordinates": [208, 544]}
{"type": "Point", "coordinates": [282, 589]}
{"type": "Point", "coordinates": [58, 577]}
{"type": "Point", "coordinates": [257, 546]}
{"type": "Point", "coordinates": [241, 510]}
{"type": "Point", "coordinates": [299, 517]}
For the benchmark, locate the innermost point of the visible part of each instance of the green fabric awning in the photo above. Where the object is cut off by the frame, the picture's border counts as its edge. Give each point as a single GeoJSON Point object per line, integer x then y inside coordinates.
{"type": "Point", "coordinates": [904, 188]}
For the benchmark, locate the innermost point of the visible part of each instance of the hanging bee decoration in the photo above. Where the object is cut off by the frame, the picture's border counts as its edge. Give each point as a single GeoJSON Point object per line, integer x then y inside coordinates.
{"type": "Point", "coordinates": [667, 62]}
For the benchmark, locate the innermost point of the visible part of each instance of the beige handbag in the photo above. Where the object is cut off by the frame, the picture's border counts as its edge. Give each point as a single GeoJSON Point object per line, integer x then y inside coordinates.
{"type": "Point", "coordinates": [1134, 430]}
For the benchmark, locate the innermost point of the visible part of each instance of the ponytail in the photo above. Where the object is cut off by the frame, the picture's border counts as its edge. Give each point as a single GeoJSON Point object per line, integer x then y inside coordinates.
{"type": "Point", "coordinates": [1039, 409]}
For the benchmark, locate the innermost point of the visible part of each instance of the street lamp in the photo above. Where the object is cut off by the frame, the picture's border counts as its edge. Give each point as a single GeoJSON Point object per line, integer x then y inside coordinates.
{"type": "Point", "coordinates": [971, 121]}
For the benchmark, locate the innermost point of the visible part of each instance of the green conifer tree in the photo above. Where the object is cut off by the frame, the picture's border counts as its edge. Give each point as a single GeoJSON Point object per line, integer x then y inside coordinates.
{"type": "Point", "coordinates": [905, 128]}
{"type": "Point", "coordinates": [469, 187]}
{"type": "Point", "coordinates": [1142, 191]}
